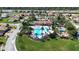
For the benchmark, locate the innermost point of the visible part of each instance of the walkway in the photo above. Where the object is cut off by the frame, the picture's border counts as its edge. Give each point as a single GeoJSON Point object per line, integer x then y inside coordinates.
{"type": "Point", "coordinates": [76, 25]}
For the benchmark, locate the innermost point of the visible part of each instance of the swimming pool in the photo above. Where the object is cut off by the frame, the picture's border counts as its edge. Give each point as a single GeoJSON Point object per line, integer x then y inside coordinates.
{"type": "Point", "coordinates": [39, 32]}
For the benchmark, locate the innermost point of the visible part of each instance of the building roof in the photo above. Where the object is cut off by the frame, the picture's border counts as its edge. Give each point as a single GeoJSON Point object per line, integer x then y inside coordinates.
{"type": "Point", "coordinates": [1, 32]}
{"type": "Point", "coordinates": [45, 22]}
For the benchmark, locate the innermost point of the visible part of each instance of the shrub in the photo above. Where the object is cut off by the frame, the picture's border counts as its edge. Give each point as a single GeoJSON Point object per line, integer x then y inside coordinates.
{"type": "Point", "coordinates": [71, 29]}
{"type": "Point", "coordinates": [61, 19]}
{"type": "Point", "coordinates": [53, 35]}
{"type": "Point", "coordinates": [42, 40]}
{"type": "Point", "coordinates": [20, 34]}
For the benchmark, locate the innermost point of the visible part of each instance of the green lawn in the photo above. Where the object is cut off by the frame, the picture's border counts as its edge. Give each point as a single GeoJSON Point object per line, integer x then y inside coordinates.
{"type": "Point", "coordinates": [2, 40]}
{"type": "Point", "coordinates": [4, 20]}
{"type": "Point", "coordinates": [26, 44]}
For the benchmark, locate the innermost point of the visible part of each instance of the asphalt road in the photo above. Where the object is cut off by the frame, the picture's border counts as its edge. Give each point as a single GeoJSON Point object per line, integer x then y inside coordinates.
{"type": "Point", "coordinates": [10, 44]}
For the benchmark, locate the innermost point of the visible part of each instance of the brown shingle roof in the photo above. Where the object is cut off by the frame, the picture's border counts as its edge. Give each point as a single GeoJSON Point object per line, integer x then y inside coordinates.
{"type": "Point", "coordinates": [40, 22]}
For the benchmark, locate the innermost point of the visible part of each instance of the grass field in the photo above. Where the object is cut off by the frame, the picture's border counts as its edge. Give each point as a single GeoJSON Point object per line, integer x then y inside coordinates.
{"type": "Point", "coordinates": [5, 20]}
{"type": "Point", "coordinates": [2, 40]}
{"type": "Point", "coordinates": [26, 44]}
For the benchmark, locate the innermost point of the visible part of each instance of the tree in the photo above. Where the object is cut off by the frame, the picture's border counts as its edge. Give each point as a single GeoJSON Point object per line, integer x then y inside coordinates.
{"type": "Point", "coordinates": [20, 34]}
{"type": "Point", "coordinates": [32, 17]}
{"type": "Point", "coordinates": [71, 29]}
{"type": "Point", "coordinates": [53, 35]}
{"type": "Point", "coordinates": [61, 19]}
{"type": "Point", "coordinates": [42, 40]}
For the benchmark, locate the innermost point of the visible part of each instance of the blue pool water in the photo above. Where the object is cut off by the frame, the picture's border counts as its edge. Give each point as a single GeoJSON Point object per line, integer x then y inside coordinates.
{"type": "Point", "coordinates": [38, 31]}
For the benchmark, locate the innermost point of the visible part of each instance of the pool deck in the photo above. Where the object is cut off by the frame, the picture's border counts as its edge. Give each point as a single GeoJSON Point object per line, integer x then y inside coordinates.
{"type": "Point", "coordinates": [39, 32]}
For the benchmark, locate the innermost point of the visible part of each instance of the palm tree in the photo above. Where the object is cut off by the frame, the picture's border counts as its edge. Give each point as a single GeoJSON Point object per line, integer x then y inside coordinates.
{"type": "Point", "coordinates": [36, 35]}
{"type": "Point", "coordinates": [42, 30]}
